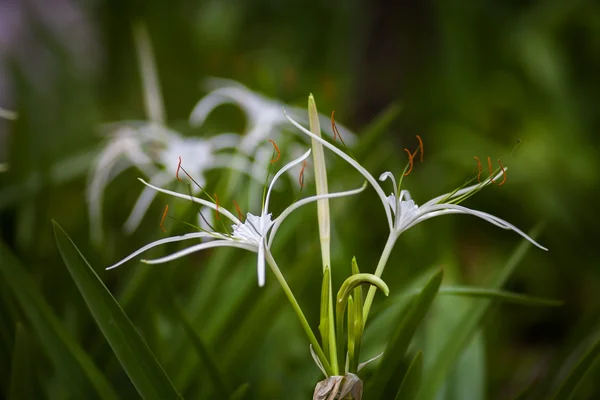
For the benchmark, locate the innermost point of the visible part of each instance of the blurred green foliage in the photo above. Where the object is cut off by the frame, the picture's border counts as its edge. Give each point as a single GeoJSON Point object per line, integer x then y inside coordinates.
{"type": "Point", "coordinates": [473, 79]}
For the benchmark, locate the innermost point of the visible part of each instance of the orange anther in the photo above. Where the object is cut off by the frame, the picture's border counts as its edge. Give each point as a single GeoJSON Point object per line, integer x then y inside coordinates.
{"type": "Point", "coordinates": [239, 211]}
{"type": "Point", "coordinates": [162, 221]}
{"type": "Point", "coordinates": [420, 147]}
{"type": "Point", "coordinates": [503, 173]}
{"type": "Point", "coordinates": [490, 170]}
{"type": "Point", "coordinates": [301, 177]}
{"type": "Point", "coordinates": [178, 168]}
{"type": "Point", "coordinates": [410, 161]}
{"type": "Point", "coordinates": [334, 128]}
{"type": "Point", "coordinates": [478, 168]}
{"type": "Point", "coordinates": [217, 210]}
{"type": "Point", "coordinates": [277, 150]}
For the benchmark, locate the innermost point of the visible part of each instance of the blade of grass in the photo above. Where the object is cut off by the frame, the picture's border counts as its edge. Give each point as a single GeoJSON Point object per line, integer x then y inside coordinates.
{"type": "Point", "coordinates": [139, 363]}
{"type": "Point", "coordinates": [501, 295]}
{"type": "Point", "coordinates": [73, 367]}
{"type": "Point", "coordinates": [569, 386]}
{"type": "Point", "coordinates": [468, 326]}
{"type": "Point", "coordinates": [403, 335]}
{"type": "Point", "coordinates": [412, 379]}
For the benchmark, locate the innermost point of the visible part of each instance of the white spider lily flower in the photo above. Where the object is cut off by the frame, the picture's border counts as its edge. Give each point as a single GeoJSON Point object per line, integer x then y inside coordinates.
{"type": "Point", "coordinates": [255, 234]}
{"type": "Point", "coordinates": [263, 115]}
{"type": "Point", "coordinates": [154, 150]}
{"type": "Point", "coordinates": [403, 213]}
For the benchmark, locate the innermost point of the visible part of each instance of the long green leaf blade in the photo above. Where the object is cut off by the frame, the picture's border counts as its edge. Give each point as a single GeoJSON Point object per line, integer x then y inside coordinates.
{"type": "Point", "coordinates": [403, 335]}
{"type": "Point", "coordinates": [139, 363]}
{"type": "Point", "coordinates": [412, 379]}
{"type": "Point", "coordinates": [74, 368]}
{"type": "Point", "coordinates": [501, 295]}
{"type": "Point", "coordinates": [21, 387]}
{"type": "Point", "coordinates": [569, 386]}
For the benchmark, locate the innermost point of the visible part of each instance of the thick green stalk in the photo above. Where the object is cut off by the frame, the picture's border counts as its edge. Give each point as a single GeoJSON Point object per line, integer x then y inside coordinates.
{"type": "Point", "coordinates": [385, 255]}
{"type": "Point", "coordinates": [324, 220]}
{"type": "Point", "coordinates": [288, 292]}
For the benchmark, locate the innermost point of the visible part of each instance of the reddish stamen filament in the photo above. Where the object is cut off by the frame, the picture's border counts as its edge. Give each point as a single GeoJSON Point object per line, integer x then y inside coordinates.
{"type": "Point", "coordinates": [277, 150]}
{"type": "Point", "coordinates": [410, 161]}
{"type": "Point", "coordinates": [334, 128]}
{"type": "Point", "coordinates": [239, 211]}
{"type": "Point", "coordinates": [178, 168]}
{"type": "Point", "coordinates": [217, 210]}
{"type": "Point", "coordinates": [301, 177]}
{"type": "Point", "coordinates": [162, 221]}
{"type": "Point", "coordinates": [503, 173]}
{"type": "Point", "coordinates": [420, 147]}
{"type": "Point", "coordinates": [478, 168]}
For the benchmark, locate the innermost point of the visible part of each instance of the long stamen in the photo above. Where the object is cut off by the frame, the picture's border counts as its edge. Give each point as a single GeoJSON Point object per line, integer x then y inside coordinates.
{"type": "Point", "coordinates": [478, 168]}
{"type": "Point", "coordinates": [503, 173]}
{"type": "Point", "coordinates": [410, 161]}
{"type": "Point", "coordinates": [420, 147]}
{"type": "Point", "coordinates": [334, 128]}
{"type": "Point", "coordinates": [162, 220]}
{"type": "Point", "coordinates": [490, 170]}
{"type": "Point", "coordinates": [239, 211]}
{"type": "Point", "coordinates": [277, 150]}
{"type": "Point", "coordinates": [178, 168]}
{"type": "Point", "coordinates": [217, 204]}
{"type": "Point", "coordinates": [301, 177]}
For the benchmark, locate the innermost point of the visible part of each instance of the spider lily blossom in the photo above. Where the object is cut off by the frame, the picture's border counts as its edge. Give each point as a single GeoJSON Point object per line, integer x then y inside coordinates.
{"type": "Point", "coordinates": [255, 234]}
{"type": "Point", "coordinates": [154, 150]}
{"type": "Point", "coordinates": [403, 213]}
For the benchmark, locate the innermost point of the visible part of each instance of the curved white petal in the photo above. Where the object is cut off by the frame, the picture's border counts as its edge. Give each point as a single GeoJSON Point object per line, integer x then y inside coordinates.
{"type": "Point", "coordinates": [277, 222]}
{"type": "Point", "coordinates": [286, 167]}
{"type": "Point", "coordinates": [195, 235]}
{"type": "Point", "coordinates": [390, 176]}
{"type": "Point", "coordinates": [260, 266]}
{"type": "Point", "coordinates": [442, 209]}
{"type": "Point", "coordinates": [208, 204]}
{"type": "Point", "coordinates": [202, 246]}
{"type": "Point", "coordinates": [352, 162]}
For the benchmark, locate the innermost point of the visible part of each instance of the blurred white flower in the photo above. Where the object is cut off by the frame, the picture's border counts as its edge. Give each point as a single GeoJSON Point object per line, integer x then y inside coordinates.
{"type": "Point", "coordinates": [264, 119]}
{"type": "Point", "coordinates": [403, 213]}
{"type": "Point", "coordinates": [154, 150]}
{"type": "Point", "coordinates": [255, 234]}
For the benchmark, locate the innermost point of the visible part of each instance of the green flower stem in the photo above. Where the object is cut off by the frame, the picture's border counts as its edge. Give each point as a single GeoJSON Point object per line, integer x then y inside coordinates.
{"type": "Point", "coordinates": [387, 250]}
{"type": "Point", "coordinates": [288, 292]}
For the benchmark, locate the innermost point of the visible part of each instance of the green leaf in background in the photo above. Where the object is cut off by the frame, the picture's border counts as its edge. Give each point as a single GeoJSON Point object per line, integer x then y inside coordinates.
{"type": "Point", "coordinates": [569, 386]}
{"type": "Point", "coordinates": [21, 379]}
{"type": "Point", "coordinates": [500, 295]}
{"type": "Point", "coordinates": [468, 325]}
{"type": "Point", "coordinates": [141, 365]}
{"type": "Point", "coordinates": [73, 367]}
{"type": "Point", "coordinates": [400, 340]}
{"type": "Point", "coordinates": [412, 379]}
{"type": "Point", "coordinates": [324, 318]}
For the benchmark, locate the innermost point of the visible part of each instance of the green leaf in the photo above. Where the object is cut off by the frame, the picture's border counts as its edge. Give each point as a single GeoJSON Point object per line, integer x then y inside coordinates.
{"type": "Point", "coordinates": [139, 363]}
{"type": "Point", "coordinates": [467, 327]}
{"type": "Point", "coordinates": [403, 335]}
{"type": "Point", "coordinates": [21, 385]}
{"type": "Point", "coordinates": [412, 379]}
{"type": "Point", "coordinates": [240, 392]}
{"type": "Point", "coordinates": [324, 320]}
{"type": "Point", "coordinates": [569, 386]}
{"type": "Point", "coordinates": [359, 324]}
{"type": "Point", "coordinates": [74, 368]}
{"type": "Point", "coordinates": [501, 295]}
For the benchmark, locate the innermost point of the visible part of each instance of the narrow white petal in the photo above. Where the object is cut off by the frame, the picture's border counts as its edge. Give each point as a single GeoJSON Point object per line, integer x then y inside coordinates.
{"type": "Point", "coordinates": [352, 162]}
{"type": "Point", "coordinates": [390, 176]}
{"type": "Point", "coordinates": [260, 267]}
{"type": "Point", "coordinates": [224, 141]}
{"type": "Point", "coordinates": [277, 222]}
{"type": "Point", "coordinates": [195, 235]}
{"type": "Point", "coordinates": [217, 243]}
{"type": "Point", "coordinates": [286, 167]}
{"type": "Point", "coordinates": [208, 204]}
{"type": "Point", "coordinates": [441, 209]}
